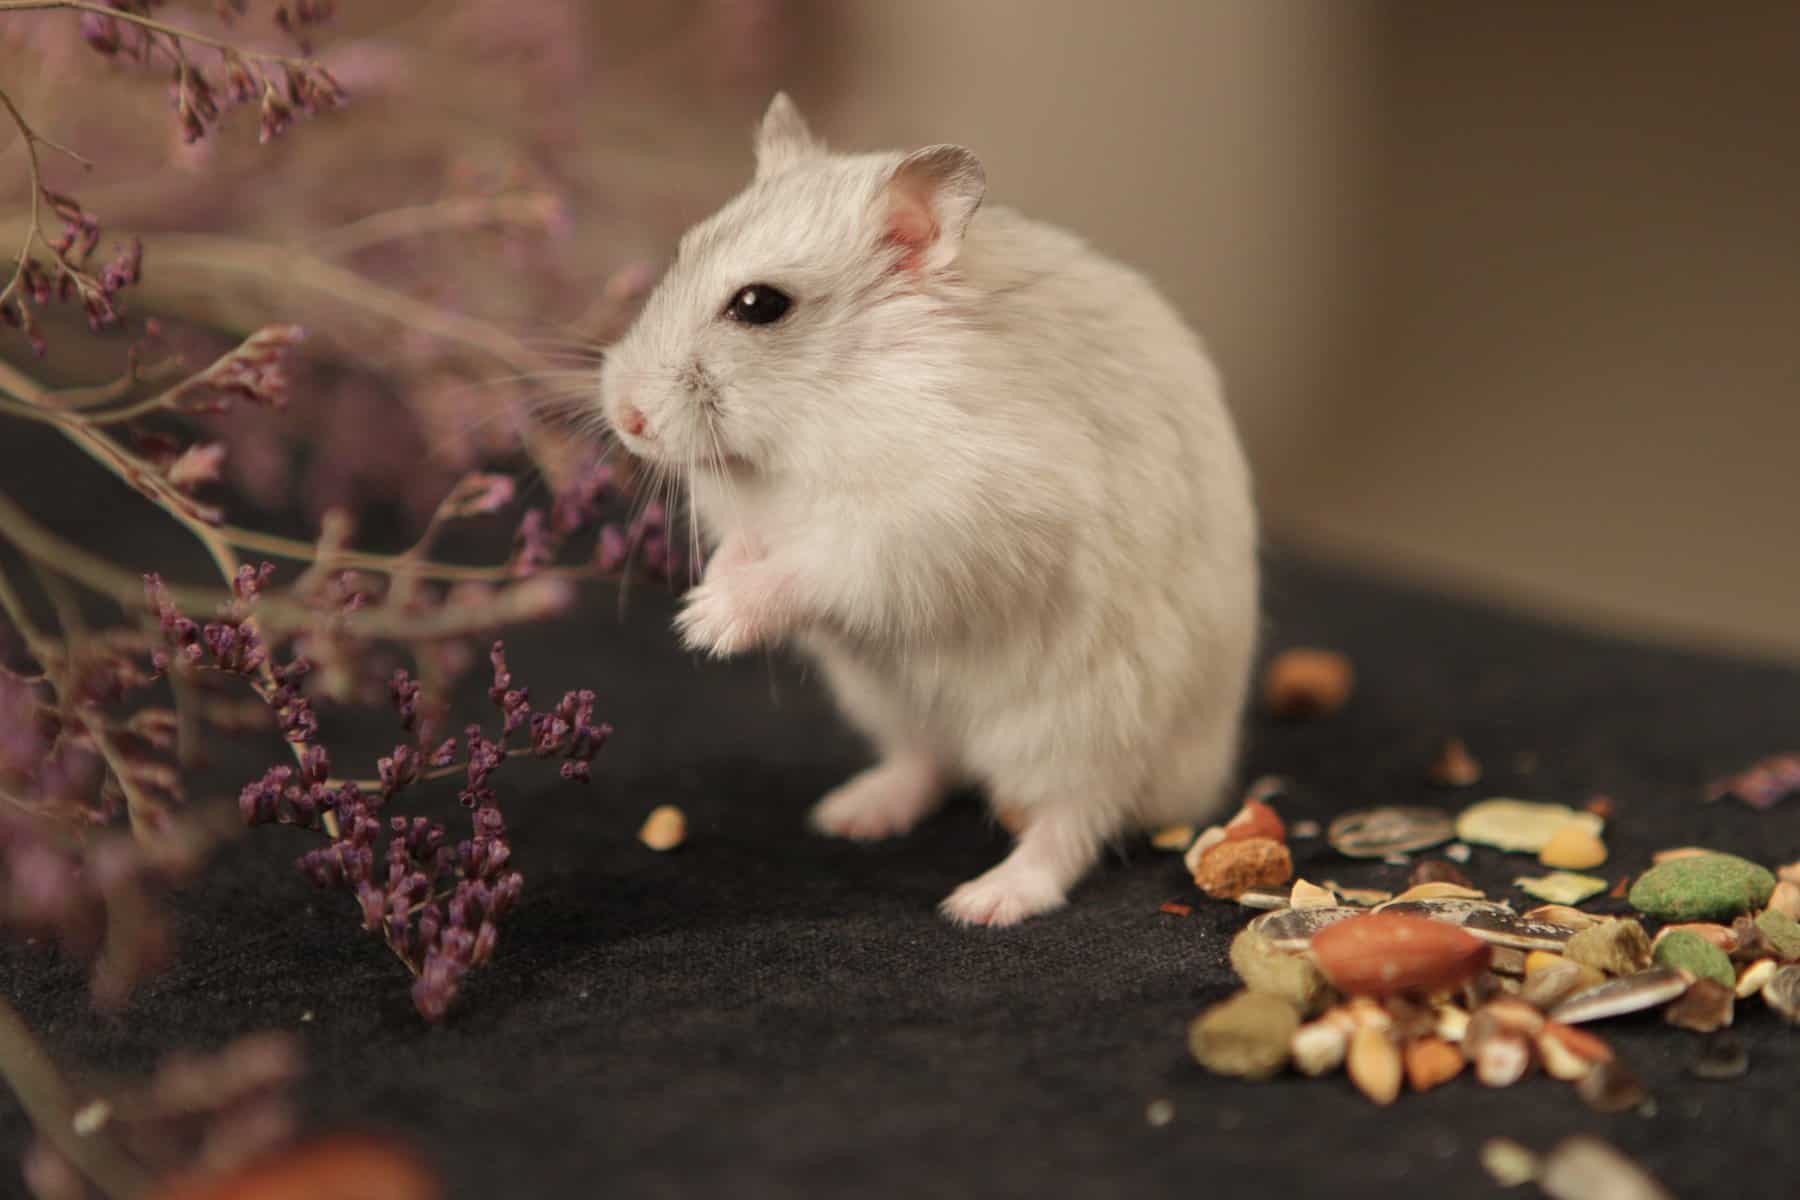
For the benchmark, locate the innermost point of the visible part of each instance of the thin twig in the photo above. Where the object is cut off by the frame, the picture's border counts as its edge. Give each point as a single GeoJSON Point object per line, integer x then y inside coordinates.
{"type": "Point", "coordinates": [50, 1104]}
{"type": "Point", "coordinates": [168, 31]}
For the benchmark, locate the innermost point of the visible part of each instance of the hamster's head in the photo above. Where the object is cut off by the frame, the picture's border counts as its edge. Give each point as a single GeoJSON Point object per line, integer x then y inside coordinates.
{"type": "Point", "coordinates": [757, 350]}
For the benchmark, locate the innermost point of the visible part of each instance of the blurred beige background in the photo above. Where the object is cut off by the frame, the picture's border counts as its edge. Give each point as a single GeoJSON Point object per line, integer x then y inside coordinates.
{"type": "Point", "coordinates": [1507, 295]}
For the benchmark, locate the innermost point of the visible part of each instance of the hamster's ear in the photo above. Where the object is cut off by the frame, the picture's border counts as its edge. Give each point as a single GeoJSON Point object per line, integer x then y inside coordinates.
{"type": "Point", "coordinates": [783, 139]}
{"type": "Point", "coordinates": [927, 203]}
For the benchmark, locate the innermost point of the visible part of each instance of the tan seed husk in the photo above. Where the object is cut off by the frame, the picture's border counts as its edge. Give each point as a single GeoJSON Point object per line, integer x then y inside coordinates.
{"type": "Point", "coordinates": [1562, 914]}
{"type": "Point", "coordinates": [1670, 855]}
{"type": "Point", "coordinates": [1263, 899]}
{"type": "Point", "coordinates": [1561, 887]}
{"type": "Point", "coordinates": [1311, 895]}
{"type": "Point", "coordinates": [1752, 977]}
{"type": "Point", "coordinates": [664, 829]}
{"type": "Point", "coordinates": [1507, 961]}
{"type": "Point", "coordinates": [1374, 1064]}
{"type": "Point", "coordinates": [1441, 890]}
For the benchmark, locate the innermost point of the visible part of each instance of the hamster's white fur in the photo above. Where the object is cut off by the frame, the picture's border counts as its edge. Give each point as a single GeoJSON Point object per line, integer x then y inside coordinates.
{"type": "Point", "coordinates": [983, 475]}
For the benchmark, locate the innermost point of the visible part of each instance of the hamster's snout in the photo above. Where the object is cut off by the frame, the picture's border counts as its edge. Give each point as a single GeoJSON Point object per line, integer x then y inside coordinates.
{"type": "Point", "coordinates": [632, 421]}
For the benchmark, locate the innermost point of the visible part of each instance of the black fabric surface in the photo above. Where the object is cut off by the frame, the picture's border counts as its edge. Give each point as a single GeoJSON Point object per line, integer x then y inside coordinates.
{"type": "Point", "coordinates": [769, 1013]}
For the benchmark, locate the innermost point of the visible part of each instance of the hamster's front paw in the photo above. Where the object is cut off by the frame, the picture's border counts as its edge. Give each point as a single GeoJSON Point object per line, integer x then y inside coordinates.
{"type": "Point", "coordinates": [882, 802]}
{"type": "Point", "coordinates": [1005, 896]}
{"type": "Point", "coordinates": [715, 621]}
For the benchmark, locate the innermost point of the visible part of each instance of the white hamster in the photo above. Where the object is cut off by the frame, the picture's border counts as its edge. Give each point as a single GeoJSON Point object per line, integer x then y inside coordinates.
{"type": "Point", "coordinates": [981, 474]}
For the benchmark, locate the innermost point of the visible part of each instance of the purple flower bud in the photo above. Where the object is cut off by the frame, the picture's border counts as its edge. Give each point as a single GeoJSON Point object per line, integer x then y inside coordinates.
{"type": "Point", "coordinates": [485, 941]}
{"type": "Point", "coordinates": [374, 905]}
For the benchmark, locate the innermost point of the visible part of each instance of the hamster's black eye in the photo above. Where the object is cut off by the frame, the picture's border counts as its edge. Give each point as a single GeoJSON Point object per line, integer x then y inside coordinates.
{"type": "Point", "coordinates": [758, 304]}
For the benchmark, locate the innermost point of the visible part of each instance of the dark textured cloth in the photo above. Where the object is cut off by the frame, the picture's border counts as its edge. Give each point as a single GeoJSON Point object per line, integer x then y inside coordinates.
{"type": "Point", "coordinates": [769, 1013]}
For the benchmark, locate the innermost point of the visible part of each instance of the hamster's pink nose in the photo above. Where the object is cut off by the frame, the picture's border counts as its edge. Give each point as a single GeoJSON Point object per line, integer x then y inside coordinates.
{"type": "Point", "coordinates": [632, 421]}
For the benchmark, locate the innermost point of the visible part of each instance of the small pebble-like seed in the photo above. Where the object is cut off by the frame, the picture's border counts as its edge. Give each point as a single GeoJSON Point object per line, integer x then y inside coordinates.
{"type": "Point", "coordinates": [1306, 682]}
{"type": "Point", "coordinates": [1374, 1064]}
{"type": "Point", "coordinates": [1454, 766]}
{"type": "Point", "coordinates": [1782, 993]}
{"type": "Point", "coordinates": [1578, 1042]}
{"type": "Point", "coordinates": [1706, 1007]}
{"type": "Point", "coordinates": [1721, 936]}
{"type": "Point", "coordinates": [1318, 1047]}
{"type": "Point", "coordinates": [664, 829]}
{"type": "Point", "coordinates": [1611, 1087]}
{"type": "Point", "coordinates": [1159, 1113]}
{"type": "Point", "coordinates": [1175, 837]}
{"type": "Point", "coordinates": [1451, 1023]}
{"type": "Point", "coordinates": [1248, 1035]}
{"type": "Point", "coordinates": [1431, 1062]}
{"type": "Point", "coordinates": [1304, 829]}
{"type": "Point", "coordinates": [1559, 1061]}
{"type": "Point", "coordinates": [1722, 1056]}
{"type": "Point", "coordinates": [1573, 848]}
{"type": "Point", "coordinates": [1507, 1163]}
{"type": "Point", "coordinates": [1585, 1168]}
{"type": "Point", "coordinates": [1503, 1060]}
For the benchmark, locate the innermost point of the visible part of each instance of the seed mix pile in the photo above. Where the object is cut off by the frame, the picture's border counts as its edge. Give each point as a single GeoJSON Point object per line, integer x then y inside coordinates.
{"type": "Point", "coordinates": [1407, 991]}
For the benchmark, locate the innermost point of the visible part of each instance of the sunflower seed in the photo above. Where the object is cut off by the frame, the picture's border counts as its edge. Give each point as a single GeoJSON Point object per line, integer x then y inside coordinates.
{"type": "Point", "coordinates": [1507, 928]}
{"type": "Point", "coordinates": [1292, 929]}
{"type": "Point", "coordinates": [1380, 832]}
{"type": "Point", "coordinates": [1616, 997]}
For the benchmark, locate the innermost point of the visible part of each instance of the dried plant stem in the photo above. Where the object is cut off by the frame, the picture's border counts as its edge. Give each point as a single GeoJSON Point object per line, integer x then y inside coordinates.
{"type": "Point", "coordinates": [47, 1100]}
{"type": "Point", "coordinates": [34, 226]}
{"type": "Point", "coordinates": [174, 33]}
{"type": "Point", "coordinates": [532, 209]}
{"type": "Point", "coordinates": [291, 268]}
